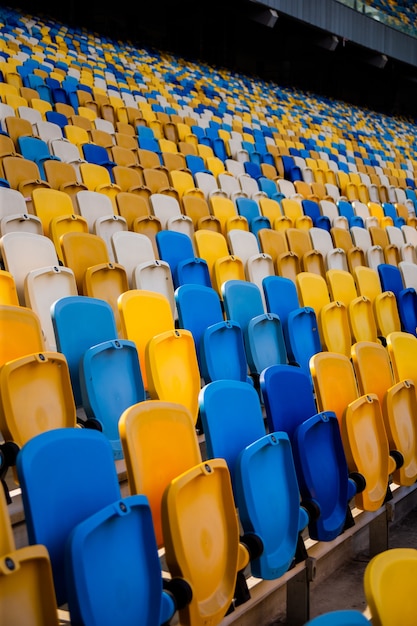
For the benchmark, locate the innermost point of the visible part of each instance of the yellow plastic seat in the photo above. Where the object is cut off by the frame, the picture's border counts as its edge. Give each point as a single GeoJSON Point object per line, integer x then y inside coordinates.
{"type": "Point", "coordinates": [97, 178]}
{"type": "Point", "coordinates": [27, 594]}
{"type": "Point", "coordinates": [311, 259]}
{"type": "Point", "coordinates": [65, 224]}
{"type": "Point", "coordinates": [144, 314]}
{"type": "Point", "coordinates": [361, 422]}
{"type": "Point", "coordinates": [20, 333]}
{"type": "Point", "coordinates": [207, 555]}
{"type": "Point", "coordinates": [390, 587]}
{"type": "Point", "coordinates": [226, 212]}
{"type": "Point", "coordinates": [212, 247]}
{"type": "Point", "coordinates": [334, 382]}
{"type": "Point", "coordinates": [332, 315]}
{"type": "Point", "coordinates": [80, 251]}
{"type": "Point", "coordinates": [132, 207]}
{"type": "Point", "coordinates": [155, 433]}
{"type": "Point", "coordinates": [402, 350]}
{"type": "Point", "coordinates": [197, 208]}
{"type": "Point", "coordinates": [49, 204]}
{"type": "Point", "coordinates": [36, 396]}
{"type": "Point", "coordinates": [172, 369]}
{"type": "Point", "coordinates": [293, 210]}
{"type": "Point", "coordinates": [342, 238]}
{"type": "Point", "coordinates": [362, 320]}
{"type": "Point", "coordinates": [398, 401]}
{"type": "Point", "coordinates": [128, 178]}
{"type": "Point", "coordinates": [23, 175]}
{"type": "Point", "coordinates": [8, 292]}
{"type": "Point", "coordinates": [63, 176]}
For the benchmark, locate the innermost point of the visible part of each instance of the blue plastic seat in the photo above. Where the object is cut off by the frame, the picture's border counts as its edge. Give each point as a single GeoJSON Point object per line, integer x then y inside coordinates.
{"type": "Point", "coordinates": [37, 150]}
{"type": "Point", "coordinates": [317, 448]}
{"type": "Point", "coordinates": [79, 323]}
{"type": "Point", "coordinates": [262, 473]}
{"type": "Point", "coordinates": [128, 563]}
{"type": "Point", "coordinates": [346, 209]}
{"type": "Point", "coordinates": [391, 280]}
{"type": "Point", "coordinates": [232, 419]}
{"type": "Point", "coordinates": [222, 353]}
{"type": "Point", "coordinates": [249, 208]}
{"type": "Point", "coordinates": [177, 250]}
{"type": "Point", "coordinates": [312, 209]}
{"type": "Point", "coordinates": [93, 153]}
{"type": "Point", "coordinates": [198, 307]}
{"type": "Point", "coordinates": [299, 324]}
{"type": "Point", "coordinates": [268, 499]}
{"type": "Point", "coordinates": [195, 163]}
{"type": "Point", "coordinates": [66, 475]}
{"type": "Point", "coordinates": [110, 382]}
{"type": "Point", "coordinates": [243, 304]}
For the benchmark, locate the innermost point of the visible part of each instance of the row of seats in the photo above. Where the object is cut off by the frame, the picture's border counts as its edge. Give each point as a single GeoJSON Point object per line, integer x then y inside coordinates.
{"type": "Point", "coordinates": [396, 454]}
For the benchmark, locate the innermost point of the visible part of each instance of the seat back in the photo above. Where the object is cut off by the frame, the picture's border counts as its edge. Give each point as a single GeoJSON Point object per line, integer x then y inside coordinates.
{"type": "Point", "coordinates": [24, 251]}
{"type": "Point", "coordinates": [75, 489]}
{"type": "Point", "coordinates": [80, 322]}
{"type": "Point", "coordinates": [42, 287]}
{"type": "Point", "coordinates": [110, 382]}
{"type": "Point", "coordinates": [231, 416]}
{"type": "Point", "coordinates": [318, 452]}
{"type": "Point", "coordinates": [268, 500]}
{"type": "Point", "coordinates": [26, 587]}
{"type": "Point", "coordinates": [156, 433]}
{"type": "Point", "coordinates": [172, 369]}
{"type": "Point", "coordinates": [197, 494]}
{"type": "Point", "coordinates": [32, 386]}
{"type": "Point", "coordinates": [389, 586]}
{"type": "Point", "coordinates": [20, 332]}
{"type": "Point", "coordinates": [80, 251]}
{"type": "Point", "coordinates": [242, 301]}
{"type": "Point", "coordinates": [198, 307]}
{"type": "Point", "coordinates": [402, 350]}
{"type": "Point", "coordinates": [398, 401]}
{"type": "Point", "coordinates": [222, 352]}
{"type": "Point", "coordinates": [334, 382]}
{"type": "Point", "coordinates": [143, 314]}
{"type": "Point", "coordinates": [130, 558]}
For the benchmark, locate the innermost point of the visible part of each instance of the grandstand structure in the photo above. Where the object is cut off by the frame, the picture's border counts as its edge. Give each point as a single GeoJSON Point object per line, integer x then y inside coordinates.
{"type": "Point", "coordinates": [195, 211]}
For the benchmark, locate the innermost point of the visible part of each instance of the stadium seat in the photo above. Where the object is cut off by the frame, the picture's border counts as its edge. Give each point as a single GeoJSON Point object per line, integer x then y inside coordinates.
{"type": "Point", "coordinates": [156, 433]}
{"type": "Point", "coordinates": [215, 575]}
{"type": "Point", "coordinates": [240, 449]}
{"type": "Point", "coordinates": [389, 586]}
{"type": "Point", "coordinates": [374, 374]}
{"type": "Point", "coordinates": [23, 252]}
{"type": "Point", "coordinates": [283, 386]}
{"type": "Point", "coordinates": [131, 556]}
{"type": "Point", "coordinates": [33, 385]}
{"type": "Point", "coordinates": [144, 314]}
{"type": "Point", "coordinates": [26, 586]}
{"type": "Point", "coordinates": [81, 251]}
{"type": "Point", "coordinates": [79, 323]}
{"type": "Point", "coordinates": [361, 424]}
{"type": "Point", "coordinates": [172, 369]}
{"type": "Point", "coordinates": [332, 316]}
{"type": "Point", "coordinates": [178, 251]}
{"type": "Point", "coordinates": [76, 490]}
